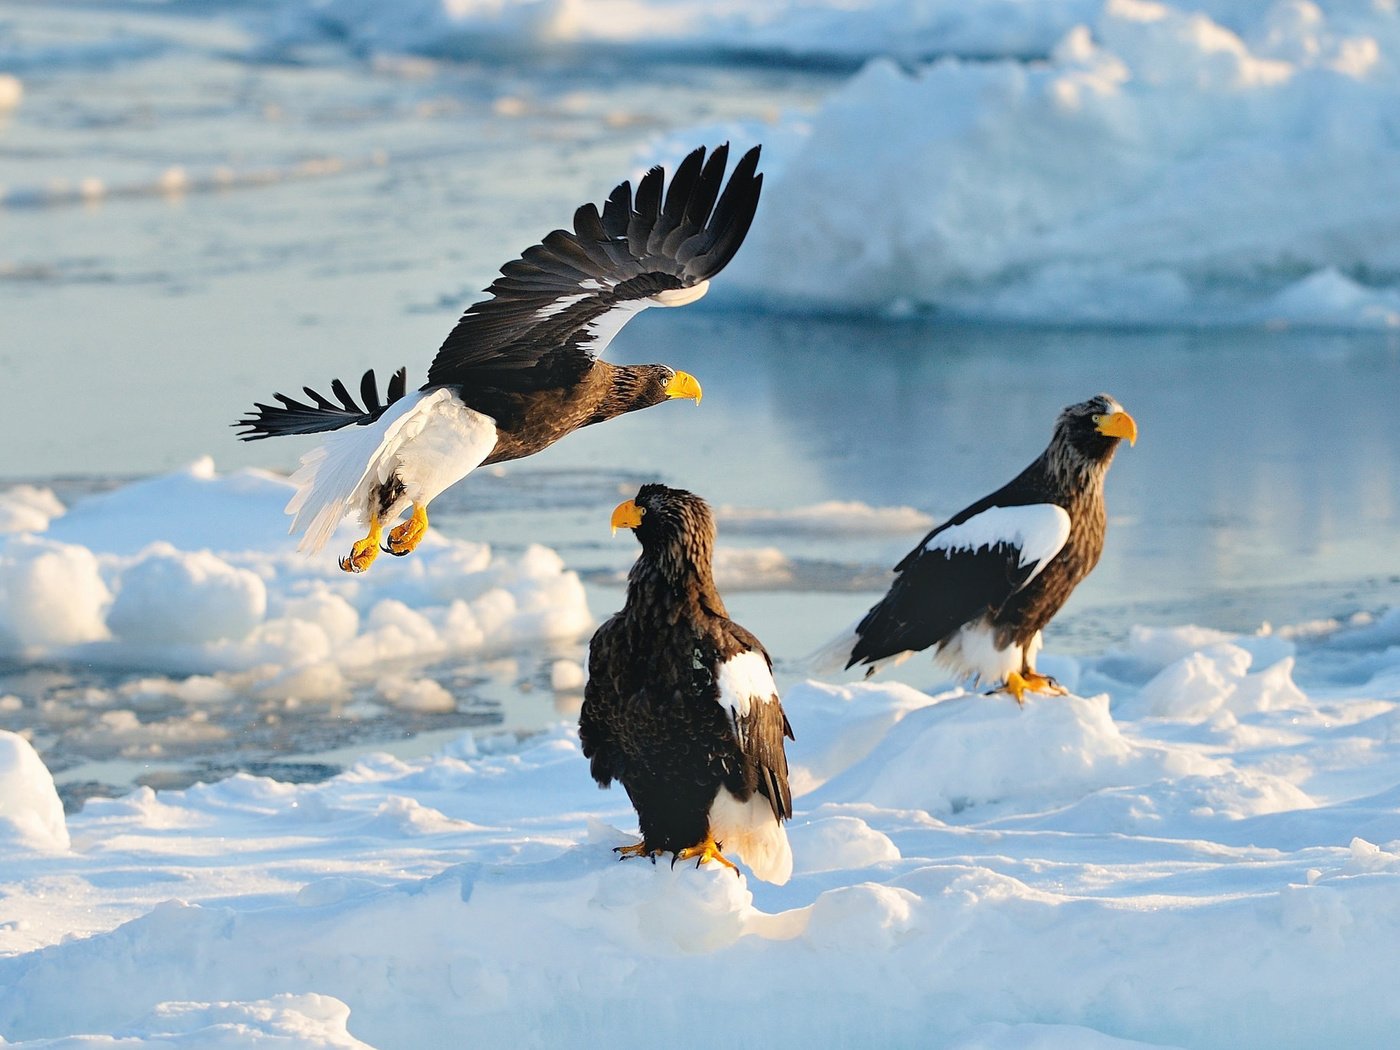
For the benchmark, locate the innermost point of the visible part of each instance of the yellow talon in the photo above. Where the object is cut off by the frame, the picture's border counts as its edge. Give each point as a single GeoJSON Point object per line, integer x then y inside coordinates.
{"type": "Point", "coordinates": [404, 539]}
{"type": "Point", "coordinates": [637, 850]}
{"type": "Point", "coordinates": [1031, 682]}
{"type": "Point", "coordinates": [363, 553]}
{"type": "Point", "coordinates": [707, 850]}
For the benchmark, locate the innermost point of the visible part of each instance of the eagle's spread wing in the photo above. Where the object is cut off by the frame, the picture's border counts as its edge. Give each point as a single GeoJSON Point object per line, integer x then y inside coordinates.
{"type": "Point", "coordinates": [571, 293]}
{"type": "Point", "coordinates": [749, 697]}
{"type": "Point", "coordinates": [963, 568]}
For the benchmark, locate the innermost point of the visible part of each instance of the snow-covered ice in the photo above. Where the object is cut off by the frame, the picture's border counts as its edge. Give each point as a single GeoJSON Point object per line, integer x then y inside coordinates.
{"type": "Point", "coordinates": [1160, 168]}
{"type": "Point", "coordinates": [1100, 869]}
{"type": "Point", "coordinates": [223, 589]}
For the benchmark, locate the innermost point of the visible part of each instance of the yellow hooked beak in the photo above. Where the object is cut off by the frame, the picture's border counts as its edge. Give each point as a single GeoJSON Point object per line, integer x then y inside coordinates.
{"type": "Point", "coordinates": [1117, 424]}
{"type": "Point", "coordinates": [627, 515]}
{"type": "Point", "coordinates": [683, 384]}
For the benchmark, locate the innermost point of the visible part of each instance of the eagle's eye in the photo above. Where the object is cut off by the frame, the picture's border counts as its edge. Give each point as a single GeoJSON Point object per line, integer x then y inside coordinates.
{"type": "Point", "coordinates": [1096, 418]}
{"type": "Point", "coordinates": [641, 512]}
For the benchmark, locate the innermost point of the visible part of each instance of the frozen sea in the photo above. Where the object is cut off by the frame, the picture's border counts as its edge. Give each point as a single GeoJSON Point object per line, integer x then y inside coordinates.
{"type": "Point", "coordinates": [976, 213]}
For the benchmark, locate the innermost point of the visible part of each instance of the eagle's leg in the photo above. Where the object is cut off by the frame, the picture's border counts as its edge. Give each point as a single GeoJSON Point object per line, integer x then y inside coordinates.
{"type": "Point", "coordinates": [638, 849]}
{"type": "Point", "coordinates": [404, 538]}
{"type": "Point", "coordinates": [707, 850]}
{"type": "Point", "coordinates": [363, 553]}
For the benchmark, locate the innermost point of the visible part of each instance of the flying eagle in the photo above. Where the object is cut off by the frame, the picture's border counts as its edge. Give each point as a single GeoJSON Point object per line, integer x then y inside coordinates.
{"type": "Point", "coordinates": [680, 704]}
{"type": "Point", "coordinates": [521, 369]}
{"type": "Point", "coordinates": [982, 585]}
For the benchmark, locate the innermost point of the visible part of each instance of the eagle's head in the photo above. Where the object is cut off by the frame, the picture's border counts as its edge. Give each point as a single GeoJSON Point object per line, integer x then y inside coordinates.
{"type": "Point", "coordinates": [641, 386]}
{"type": "Point", "coordinates": [1087, 434]}
{"type": "Point", "coordinates": [675, 527]}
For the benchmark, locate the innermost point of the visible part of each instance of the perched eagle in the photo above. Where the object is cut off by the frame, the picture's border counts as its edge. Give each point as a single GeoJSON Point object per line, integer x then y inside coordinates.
{"type": "Point", "coordinates": [680, 704]}
{"type": "Point", "coordinates": [522, 368]}
{"type": "Point", "coordinates": [982, 585]}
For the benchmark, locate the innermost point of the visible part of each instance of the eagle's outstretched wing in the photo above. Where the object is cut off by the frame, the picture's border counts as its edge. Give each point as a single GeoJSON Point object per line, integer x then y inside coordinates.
{"type": "Point", "coordinates": [572, 293]}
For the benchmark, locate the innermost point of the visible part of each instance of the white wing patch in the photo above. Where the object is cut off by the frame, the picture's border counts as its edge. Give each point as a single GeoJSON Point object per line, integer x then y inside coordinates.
{"type": "Point", "coordinates": [1038, 531]}
{"type": "Point", "coordinates": [560, 305]}
{"type": "Point", "coordinates": [601, 330]}
{"type": "Point", "coordinates": [431, 439]}
{"type": "Point", "coordinates": [744, 679]}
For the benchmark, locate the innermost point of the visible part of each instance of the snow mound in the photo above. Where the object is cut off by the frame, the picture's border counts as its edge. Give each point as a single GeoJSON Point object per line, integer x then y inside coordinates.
{"type": "Point", "coordinates": [971, 750]}
{"type": "Point", "coordinates": [1159, 168]}
{"type": "Point", "coordinates": [192, 573]}
{"type": "Point", "coordinates": [31, 816]}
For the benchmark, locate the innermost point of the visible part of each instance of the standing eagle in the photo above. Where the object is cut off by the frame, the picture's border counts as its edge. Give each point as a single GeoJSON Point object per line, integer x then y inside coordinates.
{"type": "Point", "coordinates": [680, 704]}
{"type": "Point", "coordinates": [521, 369]}
{"type": "Point", "coordinates": [982, 585]}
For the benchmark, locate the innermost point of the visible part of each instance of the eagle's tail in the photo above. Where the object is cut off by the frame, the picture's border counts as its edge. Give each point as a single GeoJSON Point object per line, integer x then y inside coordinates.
{"type": "Point", "coordinates": [321, 414]}
{"type": "Point", "coordinates": [751, 831]}
{"type": "Point", "coordinates": [835, 656]}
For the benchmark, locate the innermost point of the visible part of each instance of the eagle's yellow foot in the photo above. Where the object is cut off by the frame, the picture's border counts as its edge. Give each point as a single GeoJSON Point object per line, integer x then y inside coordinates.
{"type": "Point", "coordinates": [404, 538]}
{"type": "Point", "coordinates": [1031, 682]}
{"type": "Point", "coordinates": [1043, 683]}
{"type": "Point", "coordinates": [707, 850]}
{"type": "Point", "coordinates": [637, 850]}
{"type": "Point", "coordinates": [363, 553]}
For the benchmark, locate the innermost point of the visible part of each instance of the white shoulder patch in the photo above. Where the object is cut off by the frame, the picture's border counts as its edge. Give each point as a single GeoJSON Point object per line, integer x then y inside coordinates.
{"type": "Point", "coordinates": [1038, 531]}
{"type": "Point", "coordinates": [744, 679]}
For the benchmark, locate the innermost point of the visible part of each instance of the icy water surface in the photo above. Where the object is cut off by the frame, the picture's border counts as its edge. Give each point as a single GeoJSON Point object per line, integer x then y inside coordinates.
{"type": "Point", "coordinates": [267, 224]}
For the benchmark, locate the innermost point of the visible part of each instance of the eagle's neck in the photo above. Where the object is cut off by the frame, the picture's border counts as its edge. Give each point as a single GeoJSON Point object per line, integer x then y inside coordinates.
{"type": "Point", "coordinates": [1070, 471]}
{"type": "Point", "coordinates": [627, 388]}
{"type": "Point", "coordinates": [680, 573]}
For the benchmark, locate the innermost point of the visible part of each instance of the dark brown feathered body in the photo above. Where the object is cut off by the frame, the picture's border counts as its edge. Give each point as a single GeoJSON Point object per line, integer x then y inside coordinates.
{"type": "Point", "coordinates": [538, 419]}
{"type": "Point", "coordinates": [680, 704]}
{"type": "Point", "coordinates": [982, 586]}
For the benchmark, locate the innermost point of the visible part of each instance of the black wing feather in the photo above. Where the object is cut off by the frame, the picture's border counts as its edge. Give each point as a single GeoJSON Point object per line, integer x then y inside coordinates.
{"type": "Point", "coordinates": [318, 414]}
{"type": "Point", "coordinates": [934, 594]}
{"type": "Point", "coordinates": [760, 735]}
{"type": "Point", "coordinates": [655, 239]}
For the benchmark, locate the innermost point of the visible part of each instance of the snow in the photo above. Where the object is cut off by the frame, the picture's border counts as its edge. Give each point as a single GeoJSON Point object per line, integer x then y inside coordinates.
{"type": "Point", "coordinates": [190, 572]}
{"type": "Point", "coordinates": [31, 816]}
{"type": "Point", "coordinates": [1159, 168]}
{"type": "Point", "coordinates": [1122, 866]}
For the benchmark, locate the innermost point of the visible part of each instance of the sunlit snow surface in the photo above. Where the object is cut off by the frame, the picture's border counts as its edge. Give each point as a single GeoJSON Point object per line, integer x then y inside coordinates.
{"type": "Point", "coordinates": [1199, 847]}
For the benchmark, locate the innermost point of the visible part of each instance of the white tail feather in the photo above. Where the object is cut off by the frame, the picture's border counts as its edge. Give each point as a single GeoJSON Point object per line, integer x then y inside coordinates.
{"type": "Point", "coordinates": [751, 832]}
{"type": "Point", "coordinates": [335, 479]}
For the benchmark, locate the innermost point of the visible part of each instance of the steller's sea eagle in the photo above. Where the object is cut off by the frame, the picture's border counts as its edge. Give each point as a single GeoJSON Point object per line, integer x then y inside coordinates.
{"type": "Point", "coordinates": [982, 585]}
{"type": "Point", "coordinates": [680, 704]}
{"type": "Point", "coordinates": [521, 369]}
